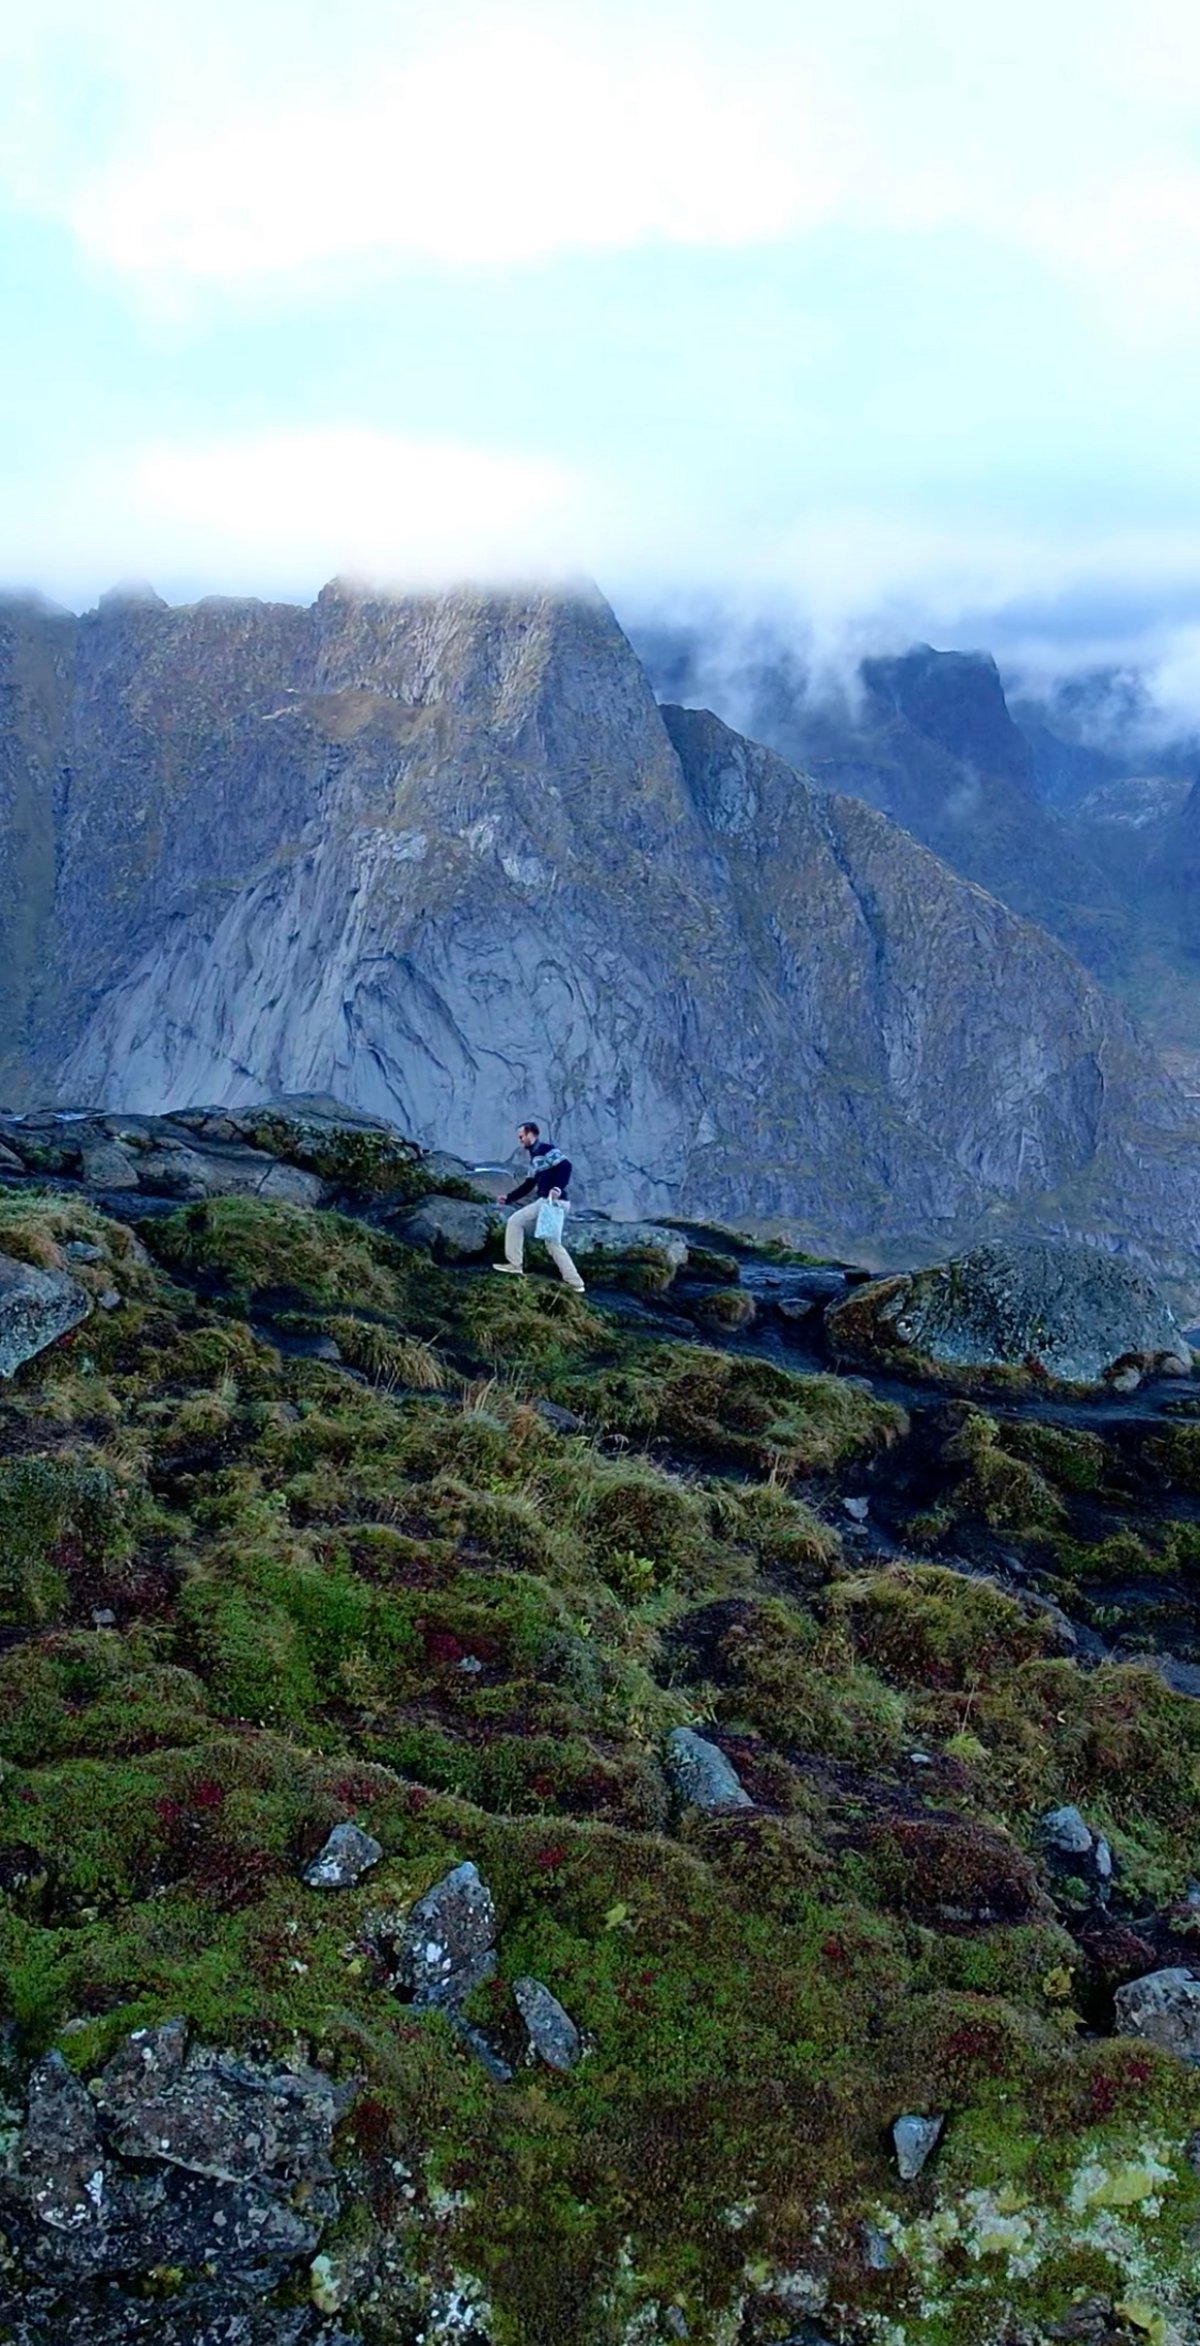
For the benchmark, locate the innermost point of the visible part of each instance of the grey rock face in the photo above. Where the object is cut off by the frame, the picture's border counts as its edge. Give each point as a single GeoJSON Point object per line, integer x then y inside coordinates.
{"type": "Point", "coordinates": [1073, 1848]}
{"type": "Point", "coordinates": [1064, 1831]}
{"type": "Point", "coordinates": [553, 2035]}
{"type": "Point", "coordinates": [448, 1942]}
{"type": "Point", "coordinates": [36, 1307]}
{"type": "Point", "coordinates": [106, 1165]}
{"type": "Point", "coordinates": [60, 2159]}
{"type": "Point", "coordinates": [1073, 1312]}
{"type": "Point", "coordinates": [452, 1228]}
{"type": "Point", "coordinates": [171, 2158]}
{"type": "Point", "coordinates": [595, 1237]}
{"type": "Point", "coordinates": [702, 1776]}
{"type": "Point", "coordinates": [348, 1854]}
{"type": "Point", "coordinates": [447, 859]}
{"type": "Point", "coordinates": [915, 2139]}
{"type": "Point", "coordinates": [1164, 2007]}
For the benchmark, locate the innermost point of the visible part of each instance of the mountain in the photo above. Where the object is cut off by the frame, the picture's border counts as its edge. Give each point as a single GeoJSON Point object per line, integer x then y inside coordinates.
{"type": "Point", "coordinates": [446, 858]}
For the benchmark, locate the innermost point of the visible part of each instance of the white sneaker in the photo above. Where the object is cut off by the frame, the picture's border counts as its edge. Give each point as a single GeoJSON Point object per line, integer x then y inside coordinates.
{"type": "Point", "coordinates": [512, 1269]}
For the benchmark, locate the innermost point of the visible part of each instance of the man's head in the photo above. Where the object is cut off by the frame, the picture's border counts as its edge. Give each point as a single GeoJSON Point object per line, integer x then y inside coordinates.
{"type": "Point", "coordinates": [527, 1134]}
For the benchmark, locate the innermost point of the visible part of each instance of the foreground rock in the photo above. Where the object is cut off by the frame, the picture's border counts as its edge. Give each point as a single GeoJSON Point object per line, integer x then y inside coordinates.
{"type": "Point", "coordinates": [1165, 2008]}
{"type": "Point", "coordinates": [702, 1776]}
{"type": "Point", "coordinates": [348, 1854]}
{"type": "Point", "coordinates": [553, 2035]}
{"type": "Point", "coordinates": [176, 2159]}
{"type": "Point", "coordinates": [1048, 1310]}
{"type": "Point", "coordinates": [36, 1307]}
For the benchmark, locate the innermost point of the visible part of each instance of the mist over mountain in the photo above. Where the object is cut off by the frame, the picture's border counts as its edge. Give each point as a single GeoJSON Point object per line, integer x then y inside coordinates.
{"type": "Point", "coordinates": [446, 857]}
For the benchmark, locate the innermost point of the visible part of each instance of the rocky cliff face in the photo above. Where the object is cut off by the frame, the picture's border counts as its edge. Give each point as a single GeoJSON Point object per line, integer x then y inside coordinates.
{"type": "Point", "coordinates": [447, 859]}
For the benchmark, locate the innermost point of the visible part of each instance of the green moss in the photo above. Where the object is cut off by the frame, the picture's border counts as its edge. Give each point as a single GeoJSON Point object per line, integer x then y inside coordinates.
{"type": "Point", "coordinates": [248, 1248]}
{"type": "Point", "coordinates": [58, 1517]}
{"type": "Point", "coordinates": [925, 1627]}
{"type": "Point", "coordinates": [743, 1410]}
{"type": "Point", "coordinates": [1076, 1461]}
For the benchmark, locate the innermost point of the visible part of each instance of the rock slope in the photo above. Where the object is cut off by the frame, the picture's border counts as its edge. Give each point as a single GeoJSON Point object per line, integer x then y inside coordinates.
{"type": "Point", "coordinates": [448, 859]}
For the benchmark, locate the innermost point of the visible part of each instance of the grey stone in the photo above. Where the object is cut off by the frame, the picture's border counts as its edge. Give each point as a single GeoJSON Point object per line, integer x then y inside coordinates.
{"type": "Point", "coordinates": [348, 1854]}
{"type": "Point", "coordinates": [858, 1508]}
{"type": "Point", "coordinates": [702, 1776]}
{"type": "Point", "coordinates": [451, 1228]}
{"type": "Point", "coordinates": [600, 1238]}
{"type": "Point", "coordinates": [915, 2140]}
{"type": "Point", "coordinates": [1181, 1677]}
{"type": "Point", "coordinates": [36, 1307]}
{"type": "Point", "coordinates": [562, 1421]}
{"type": "Point", "coordinates": [447, 1943]}
{"type": "Point", "coordinates": [218, 2117]}
{"type": "Point", "coordinates": [106, 1165]}
{"type": "Point", "coordinates": [553, 2035]}
{"type": "Point", "coordinates": [109, 1299]}
{"type": "Point", "coordinates": [1065, 1832]}
{"type": "Point", "coordinates": [82, 1251]}
{"type": "Point", "coordinates": [60, 2163]}
{"type": "Point", "coordinates": [9, 1160]}
{"type": "Point", "coordinates": [1076, 1314]}
{"type": "Point", "coordinates": [1163, 2007]}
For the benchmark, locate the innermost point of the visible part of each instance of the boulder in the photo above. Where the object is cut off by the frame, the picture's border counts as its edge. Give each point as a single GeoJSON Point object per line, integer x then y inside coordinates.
{"type": "Point", "coordinates": [553, 2035]}
{"type": "Point", "coordinates": [915, 2140]}
{"type": "Point", "coordinates": [348, 1854]}
{"type": "Point", "coordinates": [1163, 2007]}
{"type": "Point", "coordinates": [1073, 1847]}
{"type": "Point", "coordinates": [452, 1229]}
{"type": "Point", "coordinates": [447, 1943]}
{"type": "Point", "coordinates": [36, 1307]}
{"type": "Point", "coordinates": [104, 1164]}
{"type": "Point", "coordinates": [1053, 1310]}
{"type": "Point", "coordinates": [593, 1238]}
{"type": "Point", "coordinates": [60, 2162]}
{"type": "Point", "coordinates": [702, 1776]}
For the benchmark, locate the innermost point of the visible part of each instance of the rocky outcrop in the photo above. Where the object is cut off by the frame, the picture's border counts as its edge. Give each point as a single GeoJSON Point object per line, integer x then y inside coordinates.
{"type": "Point", "coordinates": [36, 1307]}
{"type": "Point", "coordinates": [1056, 1311]}
{"type": "Point", "coordinates": [447, 859]}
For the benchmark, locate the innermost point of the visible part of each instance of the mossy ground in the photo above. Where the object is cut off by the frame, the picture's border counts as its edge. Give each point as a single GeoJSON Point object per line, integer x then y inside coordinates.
{"type": "Point", "coordinates": [388, 1589]}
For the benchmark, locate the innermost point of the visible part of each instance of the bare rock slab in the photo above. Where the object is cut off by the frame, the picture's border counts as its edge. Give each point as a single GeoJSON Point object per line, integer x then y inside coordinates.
{"type": "Point", "coordinates": [915, 2139]}
{"type": "Point", "coordinates": [36, 1307]}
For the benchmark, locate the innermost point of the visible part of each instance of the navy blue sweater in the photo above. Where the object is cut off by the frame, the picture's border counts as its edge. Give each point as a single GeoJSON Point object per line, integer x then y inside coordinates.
{"type": "Point", "coordinates": [549, 1169]}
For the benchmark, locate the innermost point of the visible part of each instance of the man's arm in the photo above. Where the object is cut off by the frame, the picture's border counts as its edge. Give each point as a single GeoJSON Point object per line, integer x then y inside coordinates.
{"type": "Point", "coordinates": [523, 1189]}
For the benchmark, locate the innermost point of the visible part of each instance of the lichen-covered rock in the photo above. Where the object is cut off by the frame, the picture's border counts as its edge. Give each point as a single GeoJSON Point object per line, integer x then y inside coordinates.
{"type": "Point", "coordinates": [553, 2035]}
{"type": "Point", "coordinates": [702, 1776]}
{"type": "Point", "coordinates": [447, 1943]}
{"type": "Point", "coordinates": [1048, 1309]}
{"type": "Point", "coordinates": [1164, 2007]}
{"type": "Point", "coordinates": [60, 2162]}
{"type": "Point", "coordinates": [347, 1855]}
{"type": "Point", "coordinates": [36, 1307]}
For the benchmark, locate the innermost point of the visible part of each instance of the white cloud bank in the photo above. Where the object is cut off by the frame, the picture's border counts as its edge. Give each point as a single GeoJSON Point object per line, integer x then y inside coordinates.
{"type": "Point", "coordinates": [253, 145]}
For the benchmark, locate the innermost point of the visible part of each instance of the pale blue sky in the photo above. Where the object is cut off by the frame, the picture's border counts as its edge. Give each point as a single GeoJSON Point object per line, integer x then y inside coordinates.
{"type": "Point", "coordinates": [888, 311]}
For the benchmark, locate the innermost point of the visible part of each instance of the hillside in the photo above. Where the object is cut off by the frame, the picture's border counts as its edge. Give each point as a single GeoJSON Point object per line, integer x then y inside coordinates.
{"type": "Point", "coordinates": [826, 2018]}
{"type": "Point", "coordinates": [448, 859]}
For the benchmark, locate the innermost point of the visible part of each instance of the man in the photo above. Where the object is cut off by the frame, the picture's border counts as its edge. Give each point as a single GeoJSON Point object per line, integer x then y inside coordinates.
{"type": "Point", "coordinates": [546, 1183]}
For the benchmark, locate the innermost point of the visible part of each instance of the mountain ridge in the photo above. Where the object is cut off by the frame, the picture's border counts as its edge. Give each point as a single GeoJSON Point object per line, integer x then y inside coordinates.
{"type": "Point", "coordinates": [447, 857]}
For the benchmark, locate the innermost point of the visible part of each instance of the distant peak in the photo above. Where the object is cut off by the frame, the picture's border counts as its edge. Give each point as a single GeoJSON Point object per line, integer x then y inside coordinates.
{"type": "Point", "coordinates": [132, 594]}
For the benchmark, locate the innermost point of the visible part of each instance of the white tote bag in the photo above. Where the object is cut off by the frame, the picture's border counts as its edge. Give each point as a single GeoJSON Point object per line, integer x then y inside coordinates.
{"type": "Point", "coordinates": [551, 1220]}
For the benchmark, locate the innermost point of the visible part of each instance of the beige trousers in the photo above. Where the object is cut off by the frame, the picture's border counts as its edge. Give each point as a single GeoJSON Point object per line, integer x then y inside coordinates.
{"type": "Point", "coordinates": [519, 1227]}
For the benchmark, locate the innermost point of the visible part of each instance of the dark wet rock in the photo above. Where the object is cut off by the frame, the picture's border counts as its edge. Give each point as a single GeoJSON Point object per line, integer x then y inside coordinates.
{"type": "Point", "coordinates": [219, 2117]}
{"type": "Point", "coordinates": [348, 1854]}
{"type": "Point", "coordinates": [1163, 2007]}
{"type": "Point", "coordinates": [1051, 1309]}
{"type": "Point", "coordinates": [702, 1776]}
{"type": "Point", "coordinates": [36, 1307]}
{"type": "Point", "coordinates": [22, 1868]}
{"type": "Point", "coordinates": [202, 2314]}
{"type": "Point", "coordinates": [600, 1241]}
{"type": "Point", "coordinates": [454, 1229]}
{"type": "Point", "coordinates": [915, 2139]}
{"type": "Point", "coordinates": [553, 2035]}
{"type": "Point", "coordinates": [61, 2171]}
{"type": "Point", "coordinates": [446, 1945]}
